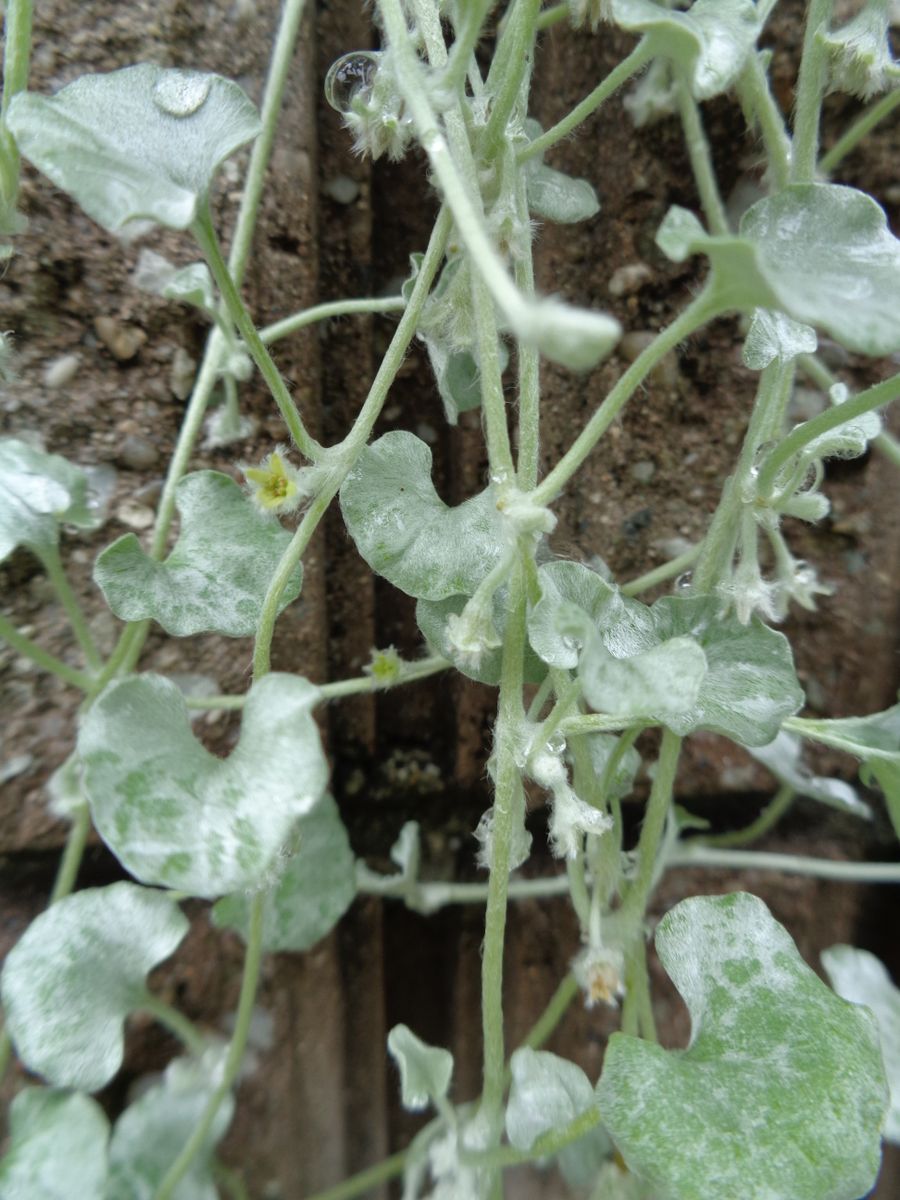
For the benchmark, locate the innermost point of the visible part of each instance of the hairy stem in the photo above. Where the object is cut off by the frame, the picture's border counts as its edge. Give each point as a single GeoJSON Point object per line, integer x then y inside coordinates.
{"type": "Point", "coordinates": [634, 904]}
{"type": "Point", "coordinates": [767, 819]}
{"type": "Point", "coordinates": [324, 312]}
{"type": "Point", "coordinates": [862, 126]}
{"type": "Point", "coordinates": [25, 646]}
{"type": "Point", "coordinates": [52, 564]}
{"type": "Point", "coordinates": [810, 89]}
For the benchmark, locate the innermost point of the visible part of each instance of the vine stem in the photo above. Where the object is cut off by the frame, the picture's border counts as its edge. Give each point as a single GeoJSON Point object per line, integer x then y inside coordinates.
{"type": "Point", "coordinates": [668, 570]}
{"type": "Point", "coordinates": [767, 819]}
{"type": "Point", "coordinates": [755, 94]}
{"type": "Point", "coordinates": [364, 1181]}
{"type": "Point", "coordinates": [236, 1048]}
{"type": "Point", "coordinates": [510, 64]}
{"type": "Point", "coordinates": [52, 564]}
{"type": "Point", "coordinates": [635, 902]}
{"type": "Point", "coordinates": [16, 50]}
{"type": "Point", "coordinates": [323, 312]}
{"type": "Point", "coordinates": [695, 854]}
{"type": "Point", "coordinates": [701, 159]}
{"type": "Point", "coordinates": [858, 130]}
{"type": "Point", "coordinates": [815, 370]}
{"type": "Point", "coordinates": [25, 646]}
{"type": "Point", "coordinates": [175, 1021]}
{"type": "Point", "coordinates": [810, 86]}
{"type": "Point", "coordinates": [701, 310]}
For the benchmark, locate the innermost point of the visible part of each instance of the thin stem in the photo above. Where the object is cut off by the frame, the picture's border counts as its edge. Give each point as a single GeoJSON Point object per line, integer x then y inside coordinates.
{"type": "Point", "coordinates": [810, 88]}
{"type": "Point", "coordinates": [205, 234]}
{"type": "Point", "coordinates": [428, 897]}
{"type": "Point", "coordinates": [599, 723]}
{"type": "Point", "coordinates": [755, 94]}
{"type": "Point", "coordinates": [528, 358]}
{"type": "Point", "coordinates": [546, 1146]}
{"type": "Point", "coordinates": [52, 564]}
{"type": "Point", "coordinates": [556, 1009]}
{"type": "Point", "coordinates": [701, 159]}
{"type": "Point", "coordinates": [511, 62]}
{"type": "Point", "coordinates": [67, 871]}
{"type": "Point", "coordinates": [858, 130]}
{"type": "Point", "coordinates": [694, 854]}
{"type": "Point", "coordinates": [815, 370]}
{"type": "Point", "coordinates": [635, 903]}
{"type": "Point", "coordinates": [475, 14]}
{"type": "Point", "coordinates": [802, 435]}
{"type": "Point", "coordinates": [552, 16]}
{"type": "Point", "coordinates": [16, 50]}
{"type": "Point", "coordinates": [176, 1022]}
{"type": "Point", "coordinates": [324, 312]}
{"type": "Point", "coordinates": [230, 1180]}
{"type": "Point", "coordinates": [366, 1180]}
{"type": "Point", "coordinates": [701, 310]}
{"type": "Point", "coordinates": [668, 570]}
{"type": "Point", "coordinates": [410, 672]}
{"type": "Point", "coordinates": [24, 645]}
{"type": "Point", "coordinates": [493, 403]}
{"type": "Point", "coordinates": [198, 1138]}
{"type": "Point", "coordinates": [767, 819]}
{"type": "Point", "coordinates": [629, 66]}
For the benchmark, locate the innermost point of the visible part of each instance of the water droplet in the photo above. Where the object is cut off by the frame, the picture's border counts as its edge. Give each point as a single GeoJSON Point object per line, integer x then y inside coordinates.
{"type": "Point", "coordinates": [804, 574]}
{"type": "Point", "coordinates": [811, 478]}
{"type": "Point", "coordinates": [181, 93]}
{"type": "Point", "coordinates": [762, 452]}
{"type": "Point", "coordinates": [684, 583]}
{"type": "Point", "coordinates": [556, 743]}
{"type": "Point", "coordinates": [350, 78]}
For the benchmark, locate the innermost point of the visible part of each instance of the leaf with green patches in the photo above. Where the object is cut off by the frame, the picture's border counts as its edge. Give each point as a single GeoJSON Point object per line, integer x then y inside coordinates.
{"type": "Point", "coordinates": [176, 815]}
{"type": "Point", "coordinates": [820, 253]}
{"type": "Point", "coordinates": [314, 891]}
{"type": "Point", "coordinates": [425, 1071]}
{"type": "Point", "coordinates": [153, 1131]}
{"type": "Point", "coordinates": [862, 978]}
{"type": "Point", "coordinates": [432, 617]}
{"type": "Point", "coordinates": [216, 577]}
{"type": "Point", "coordinates": [780, 1094]}
{"type": "Point", "coordinates": [57, 1147]}
{"type": "Point", "coordinates": [710, 42]}
{"type": "Point", "coordinates": [39, 492]}
{"type": "Point", "coordinates": [404, 530]}
{"type": "Point", "coordinates": [135, 147]}
{"type": "Point", "coordinates": [77, 973]}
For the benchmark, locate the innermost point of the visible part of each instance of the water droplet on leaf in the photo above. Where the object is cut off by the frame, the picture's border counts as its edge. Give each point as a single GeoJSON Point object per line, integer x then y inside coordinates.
{"type": "Point", "coordinates": [556, 743]}
{"type": "Point", "coordinates": [684, 583]}
{"type": "Point", "coordinates": [350, 78]}
{"type": "Point", "coordinates": [181, 93]}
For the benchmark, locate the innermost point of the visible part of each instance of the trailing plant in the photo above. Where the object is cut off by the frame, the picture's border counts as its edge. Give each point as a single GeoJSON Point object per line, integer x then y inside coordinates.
{"type": "Point", "coordinates": [784, 1091]}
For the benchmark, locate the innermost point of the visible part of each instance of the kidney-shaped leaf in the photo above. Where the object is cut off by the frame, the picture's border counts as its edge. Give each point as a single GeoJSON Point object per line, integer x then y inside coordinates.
{"type": "Point", "coordinates": [547, 1092]}
{"type": "Point", "coordinates": [77, 973]}
{"type": "Point", "coordinates": [38, 493]}
{"type": "Point", "coordinates": [176, 815]}
{"type": "Point", "coordinates": [137, 146]}
{"type": "Point", "coordinates": [425, 1071]}
{"type": "Point", "coordinates": [404, 530]}
{"type": "Point", "coordinates": [862, 978]}
{"type": "Point", "coordinates": [57, 1147]}
{"type": "Point", "coordinates": [558, 197]}
{"type": "Point", "coordinates": [152, 1132]}
{"type": "Point", "coordinates": [780, 1094]}
{"type": "Point", "coordinates": [316, 888]}
{"type": "Point", "coordinates": [216, 577]}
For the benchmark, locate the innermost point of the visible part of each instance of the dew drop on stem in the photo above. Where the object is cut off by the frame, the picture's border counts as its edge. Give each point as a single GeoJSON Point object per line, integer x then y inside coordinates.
{"type": "Point", "coordinates": [684, 583]}
{"type": "Point", "coordinates": [350, 78]}
{"type": "Point", "coordinates": [181, 93]}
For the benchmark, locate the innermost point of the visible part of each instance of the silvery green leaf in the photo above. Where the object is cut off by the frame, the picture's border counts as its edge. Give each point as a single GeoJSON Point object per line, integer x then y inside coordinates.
{"type": "Point", "coordinates": [772, 335]}
{"type": "Point", "coordinates": [601, 747]}
{"type": "Point", "coordinates": [653, 96]}
{"type": "Point", "coordinates": [176, 815]}
{"type": "Point", "coordinates": [152, 1132]}
{"type": "Point", "coordinates": [432, 617]}
{"type": "Point", "coordinates": [710, 42]}
{"type": "Point", "coordinates": [780, 1094]}
{"type": "Point", "coordinates": [547, 1092]}
{"type": "Point", "coordinates": [860, 59]}
{"type": "Point", "coordinates": [661, 684]}
{"type": "Point", "coordinates": [868, 738]}
{"type": "Point", "coordinates": [425, 1071]}
{"type": "Point", "coordinates": [457, 375]}
{"type": "Point", "coordinates": [558, 197]}
{"type": "Point", "coordinates": [404, 530]}
{"type": "Point", "coordinates": [850, 440]}
{"type": "Point", "coordinates": [784, 758]}
{"type": "Point", "coordinates": [216, 577]}
{"type": "Point", "coordinates": [38, 493]}
{"type": "Point", "coordinates": [862, 978]}
{"type": "Point", "coordinates": [315, 889]}
{"type": "Point", "coordinates": [191, 284]}
{"type": "Point", "coordinates": [574, 599]}
{"type": "Point", "coordinates": [66, 795]}
{"type": "Point", "coordinates": [887, 776]}
{"type": "Point", "coordinates": [681, 234]}
{"type": "Point", "coordinates": [135, 147]}
{"type": "Point", "coordinates": [577, 338]}
{"type": "Point", "coordinates": [57, 1147]}
{"type": "Point", "coordinates": [76, 974]}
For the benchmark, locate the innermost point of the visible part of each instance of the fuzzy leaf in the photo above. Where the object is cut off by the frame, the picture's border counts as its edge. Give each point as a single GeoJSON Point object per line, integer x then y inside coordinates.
{"type": "Point", "coordinates": [547, 1092]}
{"type": "Point", "coordinates": [152, 1132]}
{"type": "Point", "coordinates": [404, 530]}
{"type": "Point", "coordinates": [558, 197]}
{"type": "Point", "coordinates": [57, 1148]}
{"type": "Point", "coordinates": [38, 493]}
{"type": "Point", "coordinates": [601, 747]}
{"type": "Point", "coordinates": [710, 42]}
{"type": "Point", "coordinates": [425, 1071]}
{"type": "Point", "coordinates": [862, 978]}
{"type": "Point", "coordinates": [215, 578]}
{"type": "Point", "coordinates": [784, 758]}
{"type": "Point", "coordinates": [192, 284]}
{"type": "Point", "coordinates": [176, 815]}
{"type": "Point", "coordinates": [135, 147]}
{"type": "Point", "coordinates": [574, 600]}
{"type": "Point", "coordinates": [773, 336]}
{"type": "Point", "coordinates": [780, 1094]}
{"type": "Point", "coordinates": [314, 891]}
{"type": "Point", "coordinates": [432, 617]}
{"type": "Point", "coordinates": [662, 683]}
{"type": "Point", "coordinates": [868, 738]}
{"type": "Point", "coordinates": [76, 974]}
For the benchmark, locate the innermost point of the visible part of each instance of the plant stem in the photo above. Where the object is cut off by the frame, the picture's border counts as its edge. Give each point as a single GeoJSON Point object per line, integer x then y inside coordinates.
{"type": "Point", "coordinates": [24, 645]}
{"type": "Point", "coordinates": [552, 16]}
{"type": "Point", "coordinates": [858, 130]}
{"type": "Point", "coordinates": [634, 904]}
{"type": "Point", "coordinates": [701, 310]}
{"type": "Point", "coordinates": [52, 564]}
{"type": "Point", "coordinates": [701, 160]}
{"type": "Point", "coordinates": [556, 1009]}
{"type": "Point", "coordinates": [16, 50]}
{"type": "Point", "coordinates": [364, 1181]}
{"type": "Point", "coordinates": [428, 897]}
{"type": "Point", "coordinates": [694, 854]}
{"type": "Point", "coordinates": [175, 1021]}
{"type": "Point", "coordinates": [205, 234]}
{"type": "Point", "coordinates": [810, 88]}
{"type": "Point", "coordinates": [231, 1181]}
{"type": "Point", "coordinates": [528, 359]}
{"type": "Point", "coordinates": [546, 1146]}
{"type": "Point", "coordinates": [493, 403]}
{"type": "Point", "coordinates": [755, 94]}
{"type": "Point", "coordinates": [323, 312]}
{"type": "Point", "coordinates": [628, 67]}
{"type": "Point", "coordinates": [668, 570]}
{"type": "Point", "coordinates": [802, 435]}
{"type": "Point", "coordinates": [475, 14]}
{"type": "Point", "coordinates": [767, 819]}
{"type": "Point", "coordinates": [198, 1139]}
{"type": "Point", "coordinates": [819, 374]}
{"type": "Point", "coordinates": [511, 63]}
{"type": "Point", "coordinates": [67, 871]}
{"type": "Point", "coordinates": [599, 723]}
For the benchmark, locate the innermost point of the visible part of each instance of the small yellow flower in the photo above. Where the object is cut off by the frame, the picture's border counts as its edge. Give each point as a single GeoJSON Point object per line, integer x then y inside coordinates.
{"type": "Point", "coordinates": [273, 484]}
{"type": "Point", "coordinates": [385, 667]}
